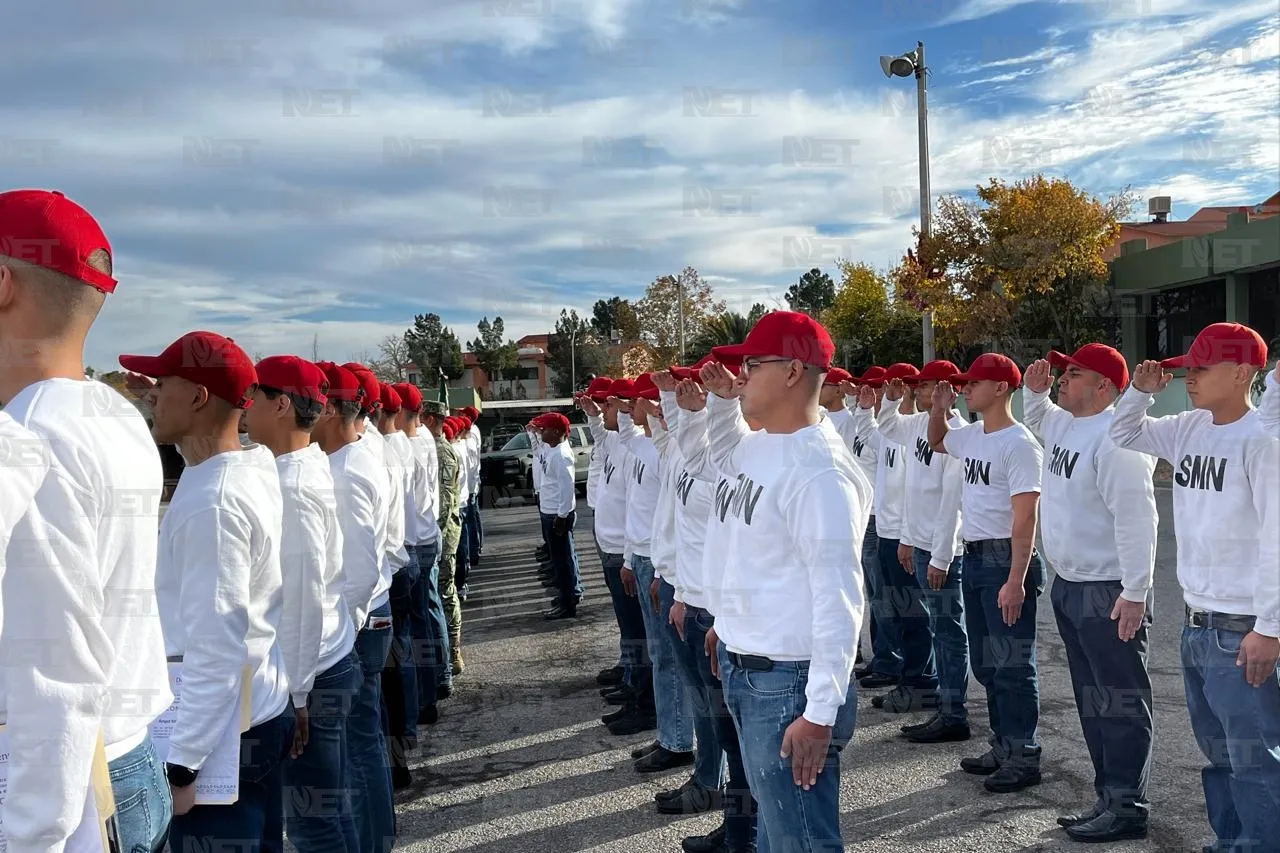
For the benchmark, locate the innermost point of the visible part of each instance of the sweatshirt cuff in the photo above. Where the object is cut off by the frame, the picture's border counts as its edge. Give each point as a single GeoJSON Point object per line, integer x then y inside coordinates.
{"type": "Point", "coordinates": [939, 565]}
{"type": "Point", "coordinates": [1135, 595]}
{"type": "Point", "coordinates": [821, 713]}
{"type": "Point", "coordinates": [300, 700]}
{"type": "Point", "coordinates": [1267, 627]}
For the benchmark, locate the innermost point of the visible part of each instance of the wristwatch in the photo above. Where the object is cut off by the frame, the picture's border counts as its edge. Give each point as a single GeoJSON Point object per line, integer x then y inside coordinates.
{"type": "Point", "coordinates": [179, 776]}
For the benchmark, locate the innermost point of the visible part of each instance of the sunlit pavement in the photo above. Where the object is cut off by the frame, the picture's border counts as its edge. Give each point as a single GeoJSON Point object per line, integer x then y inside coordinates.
{"type": "Point", "coordinates": [520, 762]}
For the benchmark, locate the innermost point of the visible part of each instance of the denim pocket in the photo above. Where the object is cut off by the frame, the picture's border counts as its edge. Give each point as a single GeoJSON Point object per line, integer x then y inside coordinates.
{"type": "Point", "coordinates": [779, 681]}
{"type": "Point", "coordinates": [133, 817]}
{"type": "Point", "coordinates": [1227, 642]}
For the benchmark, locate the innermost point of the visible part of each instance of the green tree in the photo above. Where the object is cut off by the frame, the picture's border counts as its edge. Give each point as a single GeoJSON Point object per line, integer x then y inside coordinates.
{"type": "Point", "coordinates": [867, 326]}
{"type": "Point", "coordinates": [433, 347]}
{"type": "Point", "coordinates": [659, 312]}
{"type": "Point", "coordinates": [573, 353]}
{"type": "Point", "coordinates": [813, 294]}
{"type": "Point", "coordinates": [615, 317]}
{"type": "Point", "coordinates": [494, 351]}
{"type": "Point", "coordinates": [392, 358]}
{"type": "Point", "coordinates": [723, 329]}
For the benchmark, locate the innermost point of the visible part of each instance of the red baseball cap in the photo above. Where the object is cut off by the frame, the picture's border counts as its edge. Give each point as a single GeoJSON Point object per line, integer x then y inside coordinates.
{"type": "Point", "coordinates": [389, 398]}
{"type": "Point", "coordinates": [991, 367]}
{"type": "Point", "coordinates": [682, 372]}
{"type": "Point", "coordinates": [599, 388]}
{"type": "Point", "coordinates": [787, 334]}
{"type": "Point", "coordinates": [46, 229]}
{"type": "Point", "coordinates": [836, 375]}
{"type": "Point", "coordinates": [410, 395]}
{"type": "Point", "coordinates": [939, 370]}
{"type": "Point", "coordinates": [623, 389]}
{"type": "Point", "coordinates": [551, 419]}
{"type": "Point", "coordinates": [205, 358]}
{"type": "Point", "coordinates": [447, 429]}
{"type": "Point", "coordinates": [874, 377]}
{"type": "Point", "coordinates": [293, 375]}
{"type": "Point", "coordinates": [642, 386]}
{"type": "Point", "coordinates": [472, 412]}
{"type": "Point", "coordinates": [372, 400]}
{"type": "Point", "coordinates": [1232, 343]}
{"type": "Point", "coordinates": [344, 386]}
{"type": "Point", "coordinates": [901, 370]}
{"type": "Point", "coordinates": [1099, 358]}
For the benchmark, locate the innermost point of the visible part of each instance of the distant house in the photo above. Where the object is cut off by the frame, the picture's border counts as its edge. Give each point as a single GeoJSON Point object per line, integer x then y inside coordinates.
{"type": "Point", "coordinates": [531, 379]}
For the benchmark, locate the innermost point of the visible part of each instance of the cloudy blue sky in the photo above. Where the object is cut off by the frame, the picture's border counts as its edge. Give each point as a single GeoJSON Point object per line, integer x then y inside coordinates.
{"type": "Point", "coordinates": [286, 171]}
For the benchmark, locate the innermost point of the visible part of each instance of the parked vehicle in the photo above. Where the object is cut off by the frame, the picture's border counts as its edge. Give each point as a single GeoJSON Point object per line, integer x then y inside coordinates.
{"type": "Point", "coordinates": [509, 471]}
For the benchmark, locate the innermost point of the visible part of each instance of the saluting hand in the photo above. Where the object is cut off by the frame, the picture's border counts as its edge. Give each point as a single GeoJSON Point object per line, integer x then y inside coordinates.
{"type": "Point", "coordinates": [1150, 378]}
{"type": "Point", "coordinates": [690, 396]}
{"type": "Point", "coordinates": [944, 397]}
{"type": "Point", "coordinates": [589, 406]}
{"type": "Point", "coordinates": [847, 388]}
{"type": "Point", "coordinates": [664, 380]}
{"type": "Point", "coordinates": [894, 390]}
{"type": "Point", "coordinates": [718, 380]}
{"type": "Point", "coordinates": [867, 397]}
{"type": "Point", "coordinates": [1039, 376]}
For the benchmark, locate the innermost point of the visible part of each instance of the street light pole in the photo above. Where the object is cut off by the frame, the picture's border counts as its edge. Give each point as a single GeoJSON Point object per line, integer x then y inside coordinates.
{"type": "Point", "coordinates": [573, 362]}
{"type": "Point", "coordinates": [680, 298]}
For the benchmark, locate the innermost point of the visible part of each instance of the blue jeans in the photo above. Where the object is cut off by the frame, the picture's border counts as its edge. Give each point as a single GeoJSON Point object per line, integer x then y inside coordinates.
{"type": "Point", "coordinates": [708, 766]}
{"type": "Point", "coordinates": [462, 568]}
{"type": "Point", "coordinates": [318, 782]}
{"type": "Point", "coordinates": [400, 678]}
{"type": "Point", "coordinates": [143, 803]}
{"type": "Point", "coordinates": [739, 805]}
{"type": "Point", "coordinates": [870, 550]}
{"type": "Point", "coordinates": [564, 560]}
{"type": "Point", "coordinates": [635, 656]}
{"type": "Point", "coordinates": [887, 643]}
{"type": "Point", "coordinates": [910, 619]}
{"type": "Point", "coordinates": [431, 649]}
{"type": "Point", "coordinates": [475, 541]}
{"type": "Point", "coordinates": [1003, 657]}
{"type": "Point", "coordinates": [1238, 729]}
{"type": "Point", "coordinates": [371, 801]}
{"type": "Point", "coordinates": [950, 644]}
{"type": "Point", "coordinates": [763, 705]}
{"type": "Point", "coordinates": [255, 822]}
{"type": "Point", "coordinates": [675, 723]}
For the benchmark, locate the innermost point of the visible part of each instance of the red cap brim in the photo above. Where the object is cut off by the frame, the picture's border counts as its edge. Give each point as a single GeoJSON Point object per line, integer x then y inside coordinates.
{"type": "Point", "coordinates": [145, 365]}
{"type": "Point", "coordinates": [1178, 361]}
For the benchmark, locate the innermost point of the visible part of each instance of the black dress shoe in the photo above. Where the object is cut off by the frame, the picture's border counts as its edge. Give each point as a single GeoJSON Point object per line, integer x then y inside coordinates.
{"type": "Point", "coordinates": [636, 720]}
{"type": "Point", "coordinates": [940, 731]}
{"type": "Point", "coordinates": [1108, 826]}
{"type": "Point", "coordinates": [1077, 819]}
{"type": "Point", "coordinates": [610, 677]}
{"type": "Point", "coordinates": [861, 672]}
{"type": "Point", "coordinates": [905, 700]}
{"type": "Point", "coordinates": [662, 759]}
{"type": "Point", "coordinates": [712, 842]}
{"type": "Point", "coordinates": [876, 680]}
{"type": "Point", "coordinates": [401, 778]}
{"type": "Point", "coordinates": [691, 798]}
{"type": "Point", "coordinates": [616, 715]}
{"type": "Point", "coordinates": [983, 765]}
{"type": "Point", "coordinates": [641, 752]}
{"type": "Point", "coordinates": [443, 692]}
{"type": "Point", "coordinates": [557, 613]}
{"type": "Point", "coordinates": [619, 696]}
{"type": "Point", "coordinates": [1012, 777]}
{"type": "Point", "coordinates": [916, 727]}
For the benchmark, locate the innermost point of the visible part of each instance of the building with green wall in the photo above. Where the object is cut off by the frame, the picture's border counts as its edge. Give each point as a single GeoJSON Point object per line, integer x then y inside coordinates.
{"type": "Point", "coordinates": [1169, 293]}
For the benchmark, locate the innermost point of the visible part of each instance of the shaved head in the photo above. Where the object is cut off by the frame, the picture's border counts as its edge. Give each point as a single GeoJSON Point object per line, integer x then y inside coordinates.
{"type": "Point", "coordinates": [68, 306]}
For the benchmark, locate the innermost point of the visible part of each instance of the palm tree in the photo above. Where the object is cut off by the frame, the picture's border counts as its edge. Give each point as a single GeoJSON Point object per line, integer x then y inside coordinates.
{"type": "Point", "coordinates": [724, 329]}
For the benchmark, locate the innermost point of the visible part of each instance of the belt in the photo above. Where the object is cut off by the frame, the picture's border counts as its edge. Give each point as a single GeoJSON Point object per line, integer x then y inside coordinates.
{"type": "Point", "coordinates": [1222, 621]}
{"type": "Point", "coordinates": [980, 545]}
{"type": "Point", "coordinates": [755, 663]}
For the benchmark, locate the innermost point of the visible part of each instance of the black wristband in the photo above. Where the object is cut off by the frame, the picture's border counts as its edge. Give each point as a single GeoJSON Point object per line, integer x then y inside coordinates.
{"type": "Point", "coordinates": [179, 776]}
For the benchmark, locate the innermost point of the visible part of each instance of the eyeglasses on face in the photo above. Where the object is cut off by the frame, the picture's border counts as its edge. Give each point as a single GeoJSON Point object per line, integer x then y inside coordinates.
{"type": "Point", "coordinates": [751, 364]}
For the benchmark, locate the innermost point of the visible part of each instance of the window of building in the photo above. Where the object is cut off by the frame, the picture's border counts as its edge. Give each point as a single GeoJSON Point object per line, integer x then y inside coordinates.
{"type": "Point", "coordinates": [1176, 316]}
{"type": "Point", "coordinates": [1264, 305]}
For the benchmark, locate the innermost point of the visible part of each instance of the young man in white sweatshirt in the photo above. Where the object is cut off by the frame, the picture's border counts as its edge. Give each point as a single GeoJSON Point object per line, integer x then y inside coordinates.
{"type": "Point", "coordinates": [598, 390]}
{"type": "Point", "coordinates": [1269, 409]}
{"type": "Point", "coordinates": [1099, 520]}
{"type": "Point", "coordinates": [790, 595]}
{"type": "Point", "coordinates": [635, 693]}
{"type": "Point", "coordinates": [220, 591]}
{"type": "Point", "coordinates": [1003, 574]}
{"type": "Point", "coordinates": [901, 647]}
{"type": "Point", "coordinates": [557, 503]}
{"type": "Point", "coordinates": [930, 551]}
{"type": "Point", "coordinates": [359, 477]}
{"type": "Point", "coordinates": [1226, 505]}
{"type": "Point", "coordinates": [317, 635]}
{"type": "Point", "coordinates": [79, 589]}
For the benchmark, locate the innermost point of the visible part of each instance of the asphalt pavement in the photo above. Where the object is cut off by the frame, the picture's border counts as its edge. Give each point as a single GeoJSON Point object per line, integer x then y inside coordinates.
{"type": "Point", "coordinates": [520, 761]}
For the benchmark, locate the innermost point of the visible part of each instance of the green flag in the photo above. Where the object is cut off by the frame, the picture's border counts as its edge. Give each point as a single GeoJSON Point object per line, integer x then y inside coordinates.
{"type": "Point", "coordinates": [444, 389]}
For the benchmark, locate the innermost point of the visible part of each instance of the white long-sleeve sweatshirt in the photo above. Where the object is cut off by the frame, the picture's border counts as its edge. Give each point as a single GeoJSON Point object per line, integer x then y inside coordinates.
{"type": "Point", "coordinates": [358, 476]}
{"type": "Point", "coordinates": [1226, 504]}
{"type": "Point", "coordinates": [595, 471]}
{"type": "Point", "coordinates": [538, 468]}
{"type": "Point", "coordinates": [997, 466]}
{"type": "Point", "coordinates": [82, 647]}
{"type": "Point", "coordinates": [692, 498]}
{"type": "Point", "coordinates": [1269, 408]}
{"type": "Point", "coordinates": [1098, 515]}
{"type": "Point", "coordinates": [473, 460]}
{"type": "Point", "coordinates": [644, 482]}
{"type": "Point", "coordinates": [556, 494]}
{"type": "Point", "coordinates": [891, 474]}
{"type": "Point", "coordinates": [221, 596]}
{"type": "Point", "coordinates": [611, 497]}
{"type": "Point", "coordinates": [316, 630]}
{"type": "Point", "coordinates": [397, 454]}
{"type": "Point", "coordinates": [934, 482]}
{"type": "Point", "coordinates": [865, 448]}
{"type": "Point", "coordinates": [663, 537]}
{"type": "Point", "coordinates": [422, 525]}
{"type": "Point", "coordinates": [791, 588]}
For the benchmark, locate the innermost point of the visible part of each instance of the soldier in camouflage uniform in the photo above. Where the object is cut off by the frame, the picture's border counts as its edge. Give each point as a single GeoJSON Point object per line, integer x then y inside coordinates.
{"type": "Point", "coordinates": [434, 415]}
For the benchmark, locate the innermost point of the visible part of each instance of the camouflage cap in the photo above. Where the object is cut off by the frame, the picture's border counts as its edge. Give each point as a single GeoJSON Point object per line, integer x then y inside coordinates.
{"type": "Point", "coordinates": [434, 407]}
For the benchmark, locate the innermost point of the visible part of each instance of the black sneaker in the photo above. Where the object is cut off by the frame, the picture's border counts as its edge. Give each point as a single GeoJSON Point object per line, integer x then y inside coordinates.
{"type": "Point", "coordinates": [558, 613]}
{"type": "Point", "coordinates": [662, 759]}
{"type": "Point", "coordinates": [876, 680]}
{"type": "Point", "coordinates": [1012, 777]}
{"type": "Point", "coordinates": [691, 798]}
{"type": "Point", "coordinates": [634, 722]}
{"type": "Point", "coordinates": [1108, 827]}
{"type": "Point", "coordinates": [613, 716]}
{"type": "Point", "coordinates": [940, 731]}
{"type": "Point", "coordinates": [1077, 819]}
{"type": "Point", "coordinates": [623, 695]}
{"type": "Point", "coordinates": [915, 727]}
{"type": "Point", "coordinates": [983, 765]}
{"type": "Point", "coordinates": [641, 752]}
{"type": "Point", "coordinates": [712, 842]}
{"type": "Point", "coordinates": [905, 700]}
{"type": "Point", "coordinates": [610, 677]}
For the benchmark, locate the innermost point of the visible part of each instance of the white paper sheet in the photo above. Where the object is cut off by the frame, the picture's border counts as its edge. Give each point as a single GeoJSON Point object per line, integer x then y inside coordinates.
{"type": "Point", "coordinates": [219, 779]}
{"type": "Point", "coordinates": [89, 837]}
